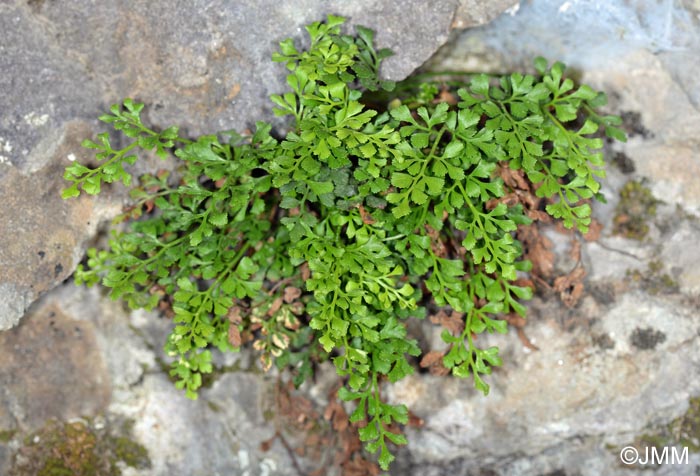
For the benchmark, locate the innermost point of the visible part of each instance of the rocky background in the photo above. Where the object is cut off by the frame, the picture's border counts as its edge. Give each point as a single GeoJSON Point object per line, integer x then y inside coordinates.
{"type": "Point", "coordinates": [82, 378]}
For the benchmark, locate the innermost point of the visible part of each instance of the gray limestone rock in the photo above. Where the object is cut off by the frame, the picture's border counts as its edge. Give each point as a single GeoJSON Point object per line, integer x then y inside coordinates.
{"type": "Point", "coordinates": [78, 355]}
{"type": "Point", "coordinates": [473, 12]}
{"type": "Point", "coordinates": [52, 367]}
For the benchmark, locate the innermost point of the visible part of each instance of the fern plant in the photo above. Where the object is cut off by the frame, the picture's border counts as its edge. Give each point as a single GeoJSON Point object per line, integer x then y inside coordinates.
{"type": "Point", "coordinates": [320, 243]}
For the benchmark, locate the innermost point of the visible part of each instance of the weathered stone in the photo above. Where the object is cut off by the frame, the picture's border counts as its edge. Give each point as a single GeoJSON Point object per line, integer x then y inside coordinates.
{"type": "Point", "coordinates": [79, 447]}
{"type": "Point", "coordinates": [42, 236]}
{"type": "Point", "coordinates": [51, 368]}
{"type": "Point", "coordinates": [473, 13]}
{"type": "Point", "coordinates": [681, 258]}
{"type": "Point", "coordinates": [571, 390]}
{"type": "Point", "coordinates": [101, 362]}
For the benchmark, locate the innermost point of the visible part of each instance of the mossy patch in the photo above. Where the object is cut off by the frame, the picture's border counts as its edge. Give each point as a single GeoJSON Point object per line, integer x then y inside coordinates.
{"type": "Point", "coordinates": [130, 452]}
{"type": "Point", "coordinates": [688, 426]}
{"type": "Point", "coordinates": [78, 448]}
{"type": "Point", "coordinates": [7, 435]}
{"type": "Point", "coordinates": [654, 280]}
{"type": "Point", "coordinates": [636, 208]}
{"type": "Point", "coordinates": [268, 415]}
{"type": "Point", "coordinates": [214, 407]}
{"type": "Point", "coordinates": [682, 432]}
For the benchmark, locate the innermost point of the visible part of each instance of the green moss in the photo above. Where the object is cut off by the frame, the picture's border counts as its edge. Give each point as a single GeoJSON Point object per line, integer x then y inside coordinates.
{"type": "Point", "coordinates": [66, 449]}
{"type": "Point", "coordinates": [128, 451]}
{"type": "Point", "coordinates": [654, 280]}
{"type": "Point", "coordinates": [683, 431]}
{"type": "Point", "coordinates": [268, 415]}
{"type": "Point", "coordinates": [131, 453]}
{"type": "Point", "coordinates": [688, 427]}
{"type": "Point", "coordinates": [214, 407]}
{"type": "Point", "coordinates": [636, 207]}
{"type": "Point", "coordinates": [78, 449]}
{"type": "Point", "coordinates": [6, 435]}
{"type": "Point", "coordinates": [657, 441]}
{"type": "Point", "coordinates": [55, 467]}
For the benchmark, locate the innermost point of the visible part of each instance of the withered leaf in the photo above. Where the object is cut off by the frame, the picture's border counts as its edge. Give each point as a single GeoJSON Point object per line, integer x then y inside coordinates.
{"type": "Point", "coordinates": [524, 283]}
{"type": "Point", "coordinates": [453, 323]}
{"type": "Point", "coordinates": [265, 361]}
{"type": "Point", "coordinates": [431, 358]}
{"type": "Point", "coordinates": [561, 229]}
{"type": "Point", "coordinates": [570, 286]}
{"type": "Point", "coordinates": [538, 250]}
{"type": "Point", "coordinates": [280, 340]}
{"type": "Point", "coordinates": [234, 315]}
{"type": "Point", "coordinates": [538, 215]}
{"type": "Point", "coordinates": [594, 230]}
{"type": "Point", "coordinates": [447, 96]}
{"type": "Point", "coordinates": [414, 420]}
{"type": "Point", "coordinates": [436, 243]}
{"type": "Point", "coordinates": [234, 336]}
{"type": "Point", "coordinates": [513, 178]}
{"type": "Point", "coordinates": [267, 444]}
{"type": "Point", "coordinates": [297, 309]}
{"type": "Point", "coordinates": [291, 293]}
{"type": "Point", "coordinates": [515, 320]}
{"type": "Point", "coordinates": [433, 362]}
{"type": "Point", "coordinates": [575, 250]}
{"type": "Point", "coordinates": [312, 439]}
{"type": "Point", "coordinates": [359, 466]}
{"type": "Point", "coordinates": [274, 307]}
{"type": "Point", "coordinates": [366, 217]}
{"type": "Point", "coordinates": [305, 271]}
{"type": "Point", "coordinates": [509, 199]}
{"type": "Point", "coordinates": [335, 413]}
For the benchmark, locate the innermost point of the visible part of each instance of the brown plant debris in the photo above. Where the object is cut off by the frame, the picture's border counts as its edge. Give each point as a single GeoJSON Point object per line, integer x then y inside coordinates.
{"type": "Point", "coordinates": [291, 294]}
{"type": "Point", "coordinates": [594, 230]}
{"type": "Point", "coordinates": [328, 437]}
{"type": "Point", "coordinates": [433, 362]}
{"type": "Point", "coordinates": [537, 249]}
{"type": "Point", "coordinates": [570, 286]}
{"type": "Point", "coordinates": [453, 323]}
